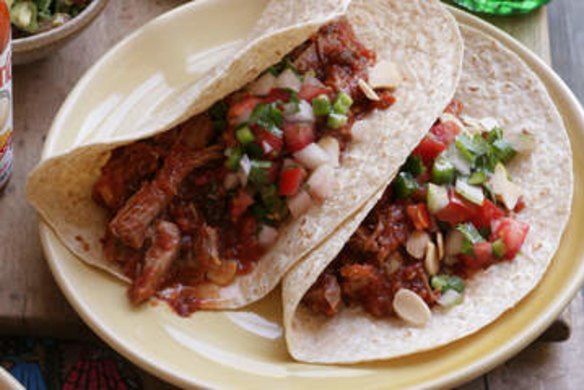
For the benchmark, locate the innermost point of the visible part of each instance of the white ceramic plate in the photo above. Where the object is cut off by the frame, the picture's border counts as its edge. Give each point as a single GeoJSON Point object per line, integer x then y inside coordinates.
{"type": "Point", "coordinates": [245, 349]}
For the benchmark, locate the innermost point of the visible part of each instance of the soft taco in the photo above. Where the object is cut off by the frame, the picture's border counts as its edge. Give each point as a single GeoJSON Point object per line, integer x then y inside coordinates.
{"type": "Point", "coordinates": [278, 147]}
{"type": "Point", "coordinates": [464, 231]}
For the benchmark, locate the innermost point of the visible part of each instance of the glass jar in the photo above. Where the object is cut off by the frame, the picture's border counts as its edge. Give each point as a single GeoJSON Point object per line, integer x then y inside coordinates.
{"type": "Point", "coordinates": [6, 155]}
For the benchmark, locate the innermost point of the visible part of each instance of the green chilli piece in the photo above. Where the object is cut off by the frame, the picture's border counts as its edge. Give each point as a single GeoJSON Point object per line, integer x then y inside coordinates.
{"type": "Point", "coordinates": [444, 283]}
{"type": "Point", "coordinates": [405, 185]}
{"type": "Point", "coordinates": [234, 156]}
{"type": "Point", "coordinates": [499, 248]}
{"type": "Point", "coordinates": [415, 166]}
{"type": "Point", "coordinates": [336, 121]}
{"type": "Point", "coordinates": [342, 104]}
{"type": "Point", "coordinates": [503, 150]}
{"type": "Point", "coordinates": [442, 171]}
{"type": "Point", "coordinates": [471, 147]}
{"type": "Point", "coordinates": [471, 237]}
{"type": "Point", "coordinates": [244, 135]}
{"type": "Point", "coordinates": [477, 178]}
{"type": "Point", "coordinates": [259, 172]}
{"type": "Point", "coordinates": [321, 105]}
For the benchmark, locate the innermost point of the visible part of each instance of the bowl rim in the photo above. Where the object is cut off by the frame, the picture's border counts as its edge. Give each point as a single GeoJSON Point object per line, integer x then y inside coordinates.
{"type": "Point", "coordinates": [72, 26]}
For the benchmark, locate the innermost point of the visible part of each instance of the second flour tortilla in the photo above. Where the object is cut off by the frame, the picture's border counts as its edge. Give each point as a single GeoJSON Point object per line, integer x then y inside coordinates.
{"type": "Point", "coordinates": [497, 84]}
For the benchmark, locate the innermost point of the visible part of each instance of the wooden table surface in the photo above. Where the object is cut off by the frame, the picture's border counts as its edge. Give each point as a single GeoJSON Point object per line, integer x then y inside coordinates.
{"type": "Point", "coordinates": [31, 303]}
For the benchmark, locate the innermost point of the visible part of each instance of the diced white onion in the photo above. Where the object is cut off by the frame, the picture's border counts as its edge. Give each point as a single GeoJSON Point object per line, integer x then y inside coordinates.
{"type": "Point", "coordinates": [304, 113]}
{"type": "Point", "coordinates": [453, 244]}
{"type": "Point", "coordinates": [437, 198]}
{"type": "Point", "coordinates": [267, 148]}
{"type": "Point", "coordinates": [263, 85]}
{"type": "Point", "coordinates": [231, 181]}
{"type": "Point", "coordinates": [321, 182]}
{"type": "Point", "coordinates": [267, 236]}
{"type": "Point", "coordinates": [471, 193]}
{"type": "Point", "coordinates": [450, 298]}
{"type": "Point", "coordinates": [331, 146]}
{"type": "Point", "coordinates": [312, 156]}
{"type": "Point", "coordinates": [289, 80]}
{"type": "Point", "coordinates": [417, 243]}
{"type": "Point", "coordinates": [385, 74]}
{"type": "Point", "coordinates": [410, 307]}
{"type": "Point", "coordinates": [244, 169]}
{"type": "Point", "coordinates": [489, 123]}
{"type": "Point", "coordinates": [457, 159]}
{"type": "Point", "coordinates": [299, 203]}
{"type": "Point", "coordinates": [505, 189]}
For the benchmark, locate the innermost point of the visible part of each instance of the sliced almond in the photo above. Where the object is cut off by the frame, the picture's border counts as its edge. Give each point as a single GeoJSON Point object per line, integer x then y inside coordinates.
{"type": "Point", "coordinates": [225, 274]}
{"type": "Point", "coordinates": [411, 308]}
{"type": "Point", "coordinates": [368, 90]}
{"type": "Point", "coordinates": [440, 244]}
{"type": "Point", "coordinates": [453, 243]}
{"type": "Point", "coordinates": [385, 75]}
{"type": "Point", "coordinates": [431, 262]}
{"type": "Point", "coordinates": [416, 244]}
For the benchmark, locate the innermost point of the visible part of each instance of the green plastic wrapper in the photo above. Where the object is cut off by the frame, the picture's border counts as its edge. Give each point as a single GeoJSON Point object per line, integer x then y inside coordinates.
{"type": "Point", "coordinates": [501, 7]}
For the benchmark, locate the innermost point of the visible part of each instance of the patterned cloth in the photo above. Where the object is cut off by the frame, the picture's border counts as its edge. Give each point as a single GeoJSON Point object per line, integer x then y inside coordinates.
{"type": "Point", "coordinates": [50, 364]}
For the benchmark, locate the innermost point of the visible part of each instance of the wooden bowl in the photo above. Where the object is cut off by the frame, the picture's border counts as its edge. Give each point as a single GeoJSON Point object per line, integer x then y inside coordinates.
{"type": "Point", "coordinates": [35, 47]}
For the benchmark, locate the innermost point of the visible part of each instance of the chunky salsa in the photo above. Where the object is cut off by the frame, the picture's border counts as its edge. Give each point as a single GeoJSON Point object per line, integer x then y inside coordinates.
{"type": "Point", "coordinates": [450, 212]}
{"type": "Point", "coordinates": [194, 207]}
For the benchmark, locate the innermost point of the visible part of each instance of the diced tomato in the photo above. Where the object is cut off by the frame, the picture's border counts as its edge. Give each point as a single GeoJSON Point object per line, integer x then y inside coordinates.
{"type": "Point", "coordinates": [239, 204]}
{"type": "Point", "coordinates": [290, 180]}
{"type": "Point", "coordinates": [241, 110]}
{"type": "Point", "coordinates": [483, 253]}
{"type": "Point", "coordinates": [445, 132]}
{"type": "Point", "coordinates": [455, 107]}
{"type": "Point", "coordinates": [309, 92]}
{"type": "Point", "coordinates": [277, 94]}
{"type": "Point", "coordinates": [429, 149]}
{"type": "Point", "coordinates": [486, 214]}
{"type": "Point", "coordinates": [458, 210]}
{"type": "Point", "coordinates": [419, 216]}
{"type": "Point", "coordinates": [512, 232]}
{"type": "Point", "coordinates": [482, 258]}
{"type": "Point", "coordinates": [270, 143]}
{"type": "Point", "coordinates": [298, 135]}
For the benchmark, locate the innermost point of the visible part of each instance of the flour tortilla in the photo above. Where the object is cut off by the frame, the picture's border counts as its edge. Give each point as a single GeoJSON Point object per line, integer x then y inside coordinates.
{"type": "Point", "coordinates": [420, 36]}
{"type": "Point", "coordinates": [495, 83]}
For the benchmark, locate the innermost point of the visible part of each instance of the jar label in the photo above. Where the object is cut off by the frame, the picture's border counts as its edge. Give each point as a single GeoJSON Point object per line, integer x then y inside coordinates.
{"type": "Point", "coordinates": [5, 116]}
